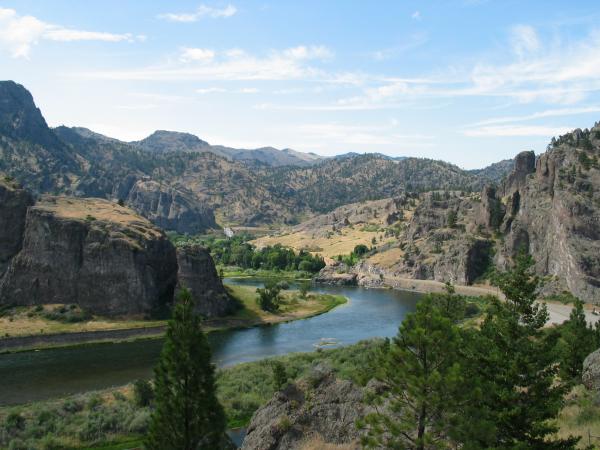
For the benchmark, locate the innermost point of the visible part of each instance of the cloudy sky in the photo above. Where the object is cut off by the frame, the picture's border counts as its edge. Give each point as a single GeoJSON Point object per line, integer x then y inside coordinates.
{"type": "Point", "coordinates": [467, 81]}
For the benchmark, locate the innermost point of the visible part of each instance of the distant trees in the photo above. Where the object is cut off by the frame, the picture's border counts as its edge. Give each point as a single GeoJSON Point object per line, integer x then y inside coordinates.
{"type": "Point", "coordinates": [238, 252]}
{"type": "Point", "coordinates": [187, 414]}
{"type": "Point", "coordinates": [451, 218]}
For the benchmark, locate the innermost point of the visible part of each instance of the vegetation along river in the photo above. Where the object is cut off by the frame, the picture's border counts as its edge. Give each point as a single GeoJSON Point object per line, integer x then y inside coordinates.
{"type": "Point", "coordinates": [38, 375]}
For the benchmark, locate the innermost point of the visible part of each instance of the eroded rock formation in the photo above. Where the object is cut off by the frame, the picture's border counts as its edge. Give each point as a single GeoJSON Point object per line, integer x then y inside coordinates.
{"type": "Point", "coordinates": [198, 274]}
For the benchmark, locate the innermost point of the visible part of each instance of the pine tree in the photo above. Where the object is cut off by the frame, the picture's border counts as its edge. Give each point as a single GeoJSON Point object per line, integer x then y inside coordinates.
{"type": "Point", "coordinates": [187, 414]}
{"type": "Point", "coordinates": [578, 339]}
{"type": "Point", "coordinates": [423, 378]}
{"type": "Point", "coordinates": [516, 370]}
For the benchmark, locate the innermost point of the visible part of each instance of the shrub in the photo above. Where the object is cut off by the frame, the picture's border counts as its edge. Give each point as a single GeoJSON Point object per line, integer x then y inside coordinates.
{"type": "Point", "coordinates": [143, 394]}
{"type": "Point", "coordinates": [72, 405]}
{"type": "Point", "coordinates": [140, 422]}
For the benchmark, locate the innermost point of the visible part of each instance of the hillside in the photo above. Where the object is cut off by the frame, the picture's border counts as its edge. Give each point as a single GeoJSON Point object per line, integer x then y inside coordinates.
{"type": "Point", "coordinates": [547, 205]}
{"type": "Point", "coordinates": [185, 184]}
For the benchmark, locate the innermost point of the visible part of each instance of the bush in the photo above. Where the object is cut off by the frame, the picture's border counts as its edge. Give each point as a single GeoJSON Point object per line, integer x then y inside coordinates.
{"type": "Point", "coordinates": [268, 297]}
{"type": "Point", "coordinates": [140, 422]}
{"type": "Point", "coordinates": [143, 394]}
{"type": "Point", "coordinates": [72, 405]}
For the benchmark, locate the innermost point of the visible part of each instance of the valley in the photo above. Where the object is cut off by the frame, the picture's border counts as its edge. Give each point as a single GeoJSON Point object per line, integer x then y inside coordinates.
{"type": "Point", "coordinates": [289, 260]}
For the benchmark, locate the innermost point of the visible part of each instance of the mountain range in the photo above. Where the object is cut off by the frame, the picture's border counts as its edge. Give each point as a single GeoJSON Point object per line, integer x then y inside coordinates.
{"type": "Point", "coordinates": [183, 183]}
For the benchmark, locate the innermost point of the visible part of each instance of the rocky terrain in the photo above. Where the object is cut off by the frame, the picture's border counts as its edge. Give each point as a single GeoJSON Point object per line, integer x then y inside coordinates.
{"type": "Point", "coordinates": [321, 407]}
{"type": "Point", "coordinates": [183, 183]}
{"type": "Point", "coordinates": [196, 272]}
{"type": "Point", "coordinates": [547, 205]}
{"type": "Point", "coordinates": [98, 255]}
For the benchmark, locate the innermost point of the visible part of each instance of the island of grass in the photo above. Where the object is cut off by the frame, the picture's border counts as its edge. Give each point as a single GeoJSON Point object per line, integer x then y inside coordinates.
{"type": "Point", "coordinates": [51, 324]}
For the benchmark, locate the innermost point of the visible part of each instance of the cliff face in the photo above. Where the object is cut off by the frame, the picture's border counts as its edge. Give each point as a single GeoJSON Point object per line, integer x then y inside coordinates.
{"type": "Point", "coordinates": [556, 214]}
{"type": "Point", "coordinates": [14, 202]}
{"type": "Point", "coordinates": [198, 274]}
{"type": "Point", "coordinates": [93, 253]}
{"type": "Point", "coordinates": [170, 208]}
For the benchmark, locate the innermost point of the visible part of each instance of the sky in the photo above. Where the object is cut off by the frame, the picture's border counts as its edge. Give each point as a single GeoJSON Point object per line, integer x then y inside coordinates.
{"type": "Point", "coordinates": [471, 82]}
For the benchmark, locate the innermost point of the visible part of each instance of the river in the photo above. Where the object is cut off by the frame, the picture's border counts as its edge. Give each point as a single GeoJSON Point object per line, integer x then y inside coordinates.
{"type": "Point", "coordinates": [39, 375]}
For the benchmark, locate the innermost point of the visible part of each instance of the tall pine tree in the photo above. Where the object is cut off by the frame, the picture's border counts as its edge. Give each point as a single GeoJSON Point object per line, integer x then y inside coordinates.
{"type": "Point", "coordinates": [516, 369]}
{"type": "Point", "coordinates": [424, 382]}
{"type": "Point", "coordinates": [187, 414]}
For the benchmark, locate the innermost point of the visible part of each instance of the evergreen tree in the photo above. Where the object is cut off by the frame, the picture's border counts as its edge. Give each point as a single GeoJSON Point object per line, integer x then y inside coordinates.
{"type": "Point", "coordinates": [423, 378]}
{"type": "Point", "coordinates": [516, 371]}
{"type": "Point", "coordinates": [578, 339]}
{"type": "Point", "coordinates": [187, 414]}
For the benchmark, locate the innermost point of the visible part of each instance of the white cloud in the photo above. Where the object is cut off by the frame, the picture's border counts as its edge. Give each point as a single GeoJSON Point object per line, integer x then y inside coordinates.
{"type": "Point", "coordinates": [201, 12]}
{"type": "Point", "coordinates": [310, 52]}
{"type": "Point", "coordinates": [516, 130]}
{"type": "Point", "coordinates": [561, 112]}
{"type": "Point", "coordinates": [196, 54]}
{"type": "Point", "coordinates": [19, 33]}
{"type": "Point", "coordinates": [524, 40]}
{"type": "Point", "coordinates": [416, 15]}
{"type": "Point", "coordinates": [235, 64]}
{"type": "Point", "coordinates": [216, 90]}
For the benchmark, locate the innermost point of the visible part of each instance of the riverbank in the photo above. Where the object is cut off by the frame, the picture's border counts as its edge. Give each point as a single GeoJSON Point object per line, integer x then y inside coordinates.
{"type": "Point", "coordinates": [108, 418]}
{"type": "Point", "coordinates": [558, 310]}
{"type": "Point", "coordinates": [24, 322]}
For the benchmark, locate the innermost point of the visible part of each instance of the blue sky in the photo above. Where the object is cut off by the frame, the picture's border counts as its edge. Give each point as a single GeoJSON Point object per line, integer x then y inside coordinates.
{"type": "Point", "coordinates": [467, 81]}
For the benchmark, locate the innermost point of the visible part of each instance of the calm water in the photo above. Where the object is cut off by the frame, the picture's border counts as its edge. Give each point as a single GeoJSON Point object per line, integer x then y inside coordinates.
{"type": "Point", "coordinates": [38, 375]}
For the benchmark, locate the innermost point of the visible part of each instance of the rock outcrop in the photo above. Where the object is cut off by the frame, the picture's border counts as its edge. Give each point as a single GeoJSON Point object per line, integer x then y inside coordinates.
{"type": "Point", "coordinates": [14, 202]}
{"type": "Point", "coordinates": [321, 406]}
{"type": "Point", "coordinates": [555, 214]}
{"type": "Point", "coordinates": [198, 274]}
{"type": "Point", "coordinates": [591, 371]}
{"type": "Point", "coordinates": [336, 274]}
{"type": "Point", "coordinates": [170, 208]}
{"type": "Point", "coordinates": [93, 253]}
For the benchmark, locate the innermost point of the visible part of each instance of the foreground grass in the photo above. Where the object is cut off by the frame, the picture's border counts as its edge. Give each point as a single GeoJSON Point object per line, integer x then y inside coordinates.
{"type": "Point", "coordinates": [110, 419]}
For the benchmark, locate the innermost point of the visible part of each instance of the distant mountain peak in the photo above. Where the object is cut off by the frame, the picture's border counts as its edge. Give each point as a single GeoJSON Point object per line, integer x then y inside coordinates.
{"type": "Point", "coordinates": [163, 141]}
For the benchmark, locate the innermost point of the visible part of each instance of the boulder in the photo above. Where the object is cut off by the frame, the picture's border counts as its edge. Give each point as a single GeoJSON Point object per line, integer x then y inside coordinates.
{"type": "Point", "coordinates": [591, 371]}
{"type": "Point", "coordinates": [93, 253]}
{"type": "Point", "coordinates": [196, 272]}
{"type": "Point", "coordinates": [320, 406]}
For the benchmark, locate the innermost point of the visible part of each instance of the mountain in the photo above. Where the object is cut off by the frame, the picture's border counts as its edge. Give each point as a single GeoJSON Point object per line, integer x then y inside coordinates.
{"type": "Point", "coordinates": [185, 184]}
{"type": "Point", "coordinates": [170, 141]}
{"type": "Point", "coordinates": [548, 206]}
{"type": "Point", "coordinates": [496, 172]}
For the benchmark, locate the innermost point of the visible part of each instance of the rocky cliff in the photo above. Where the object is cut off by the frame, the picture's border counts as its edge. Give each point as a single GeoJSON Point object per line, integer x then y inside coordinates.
{"type": "Point", "coordinates": [170, 208]}
{"type": "Point", "coordinates": [14, 202]}
{"type": "Point", "coordinates": [552, 210]}
{"type": "Point", "coordinates": [198, 274]}
{"type": "Point", "coordinates": [93, 253]}
{"type": "Point", "coordinates": [321, 406]}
